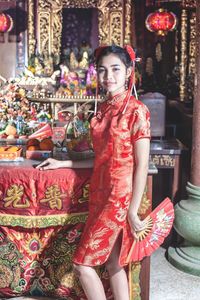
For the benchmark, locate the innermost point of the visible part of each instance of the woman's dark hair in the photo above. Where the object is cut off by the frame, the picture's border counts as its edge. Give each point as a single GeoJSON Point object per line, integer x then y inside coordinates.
{"type": "Point", "coordinates": [118, 51]}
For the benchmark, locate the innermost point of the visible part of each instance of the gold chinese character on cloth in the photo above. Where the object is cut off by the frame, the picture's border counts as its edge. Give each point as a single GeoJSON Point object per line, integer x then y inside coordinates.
{"type": "Point", "coordinates": [53, 196]}
{"type": "Point", "coordinates": [14, 195]}
{"type": "Point", "coordinates": [85, 195]}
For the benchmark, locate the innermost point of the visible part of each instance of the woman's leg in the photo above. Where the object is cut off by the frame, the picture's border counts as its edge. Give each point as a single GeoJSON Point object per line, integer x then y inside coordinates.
{"type": "Point", "coordinates": [118, 277]}
{"type": "Point", "coordinates": [90, 282]}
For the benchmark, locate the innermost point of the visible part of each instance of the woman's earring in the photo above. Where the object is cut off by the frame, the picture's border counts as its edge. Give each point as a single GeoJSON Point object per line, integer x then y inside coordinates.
{"type": "Point", "coordinates": [126, 84]}
{"type": "Point", "coordinates": [101, 90]}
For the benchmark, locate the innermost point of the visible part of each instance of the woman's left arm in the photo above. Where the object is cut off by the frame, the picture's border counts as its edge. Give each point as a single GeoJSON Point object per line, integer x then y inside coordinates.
{"type": "Point", "coordinates": [142, 149]}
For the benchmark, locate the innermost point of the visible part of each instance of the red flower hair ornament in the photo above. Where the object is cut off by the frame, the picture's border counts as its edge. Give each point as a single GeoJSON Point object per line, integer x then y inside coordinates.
{"type": "Point", "coordinates": [130, 51]}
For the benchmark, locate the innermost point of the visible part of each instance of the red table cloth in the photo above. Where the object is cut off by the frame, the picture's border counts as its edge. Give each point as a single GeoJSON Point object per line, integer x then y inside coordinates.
{"type": "Point", "coordinates": [42, 215]}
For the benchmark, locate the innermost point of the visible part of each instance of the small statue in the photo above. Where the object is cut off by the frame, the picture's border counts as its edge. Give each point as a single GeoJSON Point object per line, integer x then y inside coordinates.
{"type": "Point", "coordinates": [73, 61]}
{"type": "Point", "coordinates": [85, 46]}
{"type": "Point", "coordinates": [38, 67]}
{"type": "Point", "coordinates": [91, 80]}
{"type": "Point", "coordinates": [48, 68]}
{"type": "Point", "coordinates": [64, 75]}
{"type": "Point", "coordinates": [84, 63]}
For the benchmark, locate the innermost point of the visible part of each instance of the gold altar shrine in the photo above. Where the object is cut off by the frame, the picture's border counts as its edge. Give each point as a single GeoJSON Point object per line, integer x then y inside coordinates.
{"type": "Point", "coordinates": [114, 23]}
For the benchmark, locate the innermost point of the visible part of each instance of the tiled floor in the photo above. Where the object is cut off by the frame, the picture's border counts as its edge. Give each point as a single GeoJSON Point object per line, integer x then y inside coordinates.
{"type": "Point", "coordinates": [166, 282]}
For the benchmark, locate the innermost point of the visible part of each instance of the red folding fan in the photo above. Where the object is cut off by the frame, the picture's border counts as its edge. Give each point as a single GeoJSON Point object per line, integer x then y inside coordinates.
{"type": "Point", "coordinates": [159, 224]}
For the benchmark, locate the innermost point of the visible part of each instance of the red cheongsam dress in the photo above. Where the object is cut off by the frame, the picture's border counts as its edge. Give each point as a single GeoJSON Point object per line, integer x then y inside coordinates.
{"type": "Point", "coordinates": [114, 131]}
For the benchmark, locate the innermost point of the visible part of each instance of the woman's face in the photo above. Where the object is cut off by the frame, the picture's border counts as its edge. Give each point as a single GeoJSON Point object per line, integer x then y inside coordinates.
{"type": "Point", "coordinates": [112, 74]}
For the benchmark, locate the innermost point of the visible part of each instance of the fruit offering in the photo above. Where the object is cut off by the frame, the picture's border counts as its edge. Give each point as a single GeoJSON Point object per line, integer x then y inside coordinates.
{"type": "Point", "coordinates": [45, 144]}
{"type": "Point", "coordinates": [10, 152]}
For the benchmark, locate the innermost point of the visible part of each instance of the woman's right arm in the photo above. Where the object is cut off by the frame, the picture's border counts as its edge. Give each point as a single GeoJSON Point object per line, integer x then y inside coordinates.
{"type": "Point", "coordinates": [51, 163]}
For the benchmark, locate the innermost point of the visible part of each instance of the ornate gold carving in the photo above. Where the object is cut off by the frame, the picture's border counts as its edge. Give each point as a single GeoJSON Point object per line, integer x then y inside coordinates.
{"type": "Point", "coordinates": [110, 22]}
{"type": "Point", "coordinates": [103, 23]}
{"type": "Point", "coordinates": [129, 24]}
{"type": "Point", "coordinates": [197, 34]}
{"type": "Point", "coordinates": [163, 161]}
{"type": "Point", "coordinates": [111, 18]}
{"type": "Point", "coordinates": [31, 31]}
{"type": "Point", "coordinates": [134, 281]}
{"type": "Point", "coordinates": [116, 36]}
{"type": "Point", "coordinates": [176, 47]}
{"type": "Point", "coordinates": [145, 204]}
{"type": "Point", "coordinates": [79, 3]}
{"type": "Point", "coordinates": [44, 32]}
{"type": "Point", "coordinates": [56, 25]}
{"type": "Point", "coordinates": [49, 26]}
{"type": "Point", "coordinates": [183, 64]}
{"type": "Point", "coordinates": [192, 47]}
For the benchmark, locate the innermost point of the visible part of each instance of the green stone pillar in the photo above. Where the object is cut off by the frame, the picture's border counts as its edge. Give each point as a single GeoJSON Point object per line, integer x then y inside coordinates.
{"type": "Point", "coordinates": [186, 256]}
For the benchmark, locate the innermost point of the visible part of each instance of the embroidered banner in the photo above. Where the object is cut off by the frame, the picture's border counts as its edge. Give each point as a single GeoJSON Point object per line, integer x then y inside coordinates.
{"type": "Point", "coordinates": [42, 215]}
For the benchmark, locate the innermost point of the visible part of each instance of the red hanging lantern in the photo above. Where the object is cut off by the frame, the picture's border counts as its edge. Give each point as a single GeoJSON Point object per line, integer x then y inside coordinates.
{"type": "Point", "coordinates": [161, 22]}
{"type": "Point", "coordinates": [6, 23]}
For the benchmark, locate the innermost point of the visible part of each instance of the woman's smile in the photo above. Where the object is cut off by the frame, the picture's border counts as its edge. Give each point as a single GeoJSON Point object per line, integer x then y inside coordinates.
{"type": "Point", "coordinates": [109, 83]}
{"type": "Point", "coordinates": [112, 74]}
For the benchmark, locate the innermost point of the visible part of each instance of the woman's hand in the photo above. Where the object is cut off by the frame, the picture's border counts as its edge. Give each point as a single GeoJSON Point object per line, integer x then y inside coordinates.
{"type": "Point", "coordinates": [136, 224]}
{"type": "Point", "coordinates": [49, 164]}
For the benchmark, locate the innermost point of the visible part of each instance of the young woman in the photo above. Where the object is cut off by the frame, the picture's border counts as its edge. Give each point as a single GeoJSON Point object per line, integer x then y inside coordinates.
{"type": "Point", "coordinates": [121, 138]}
